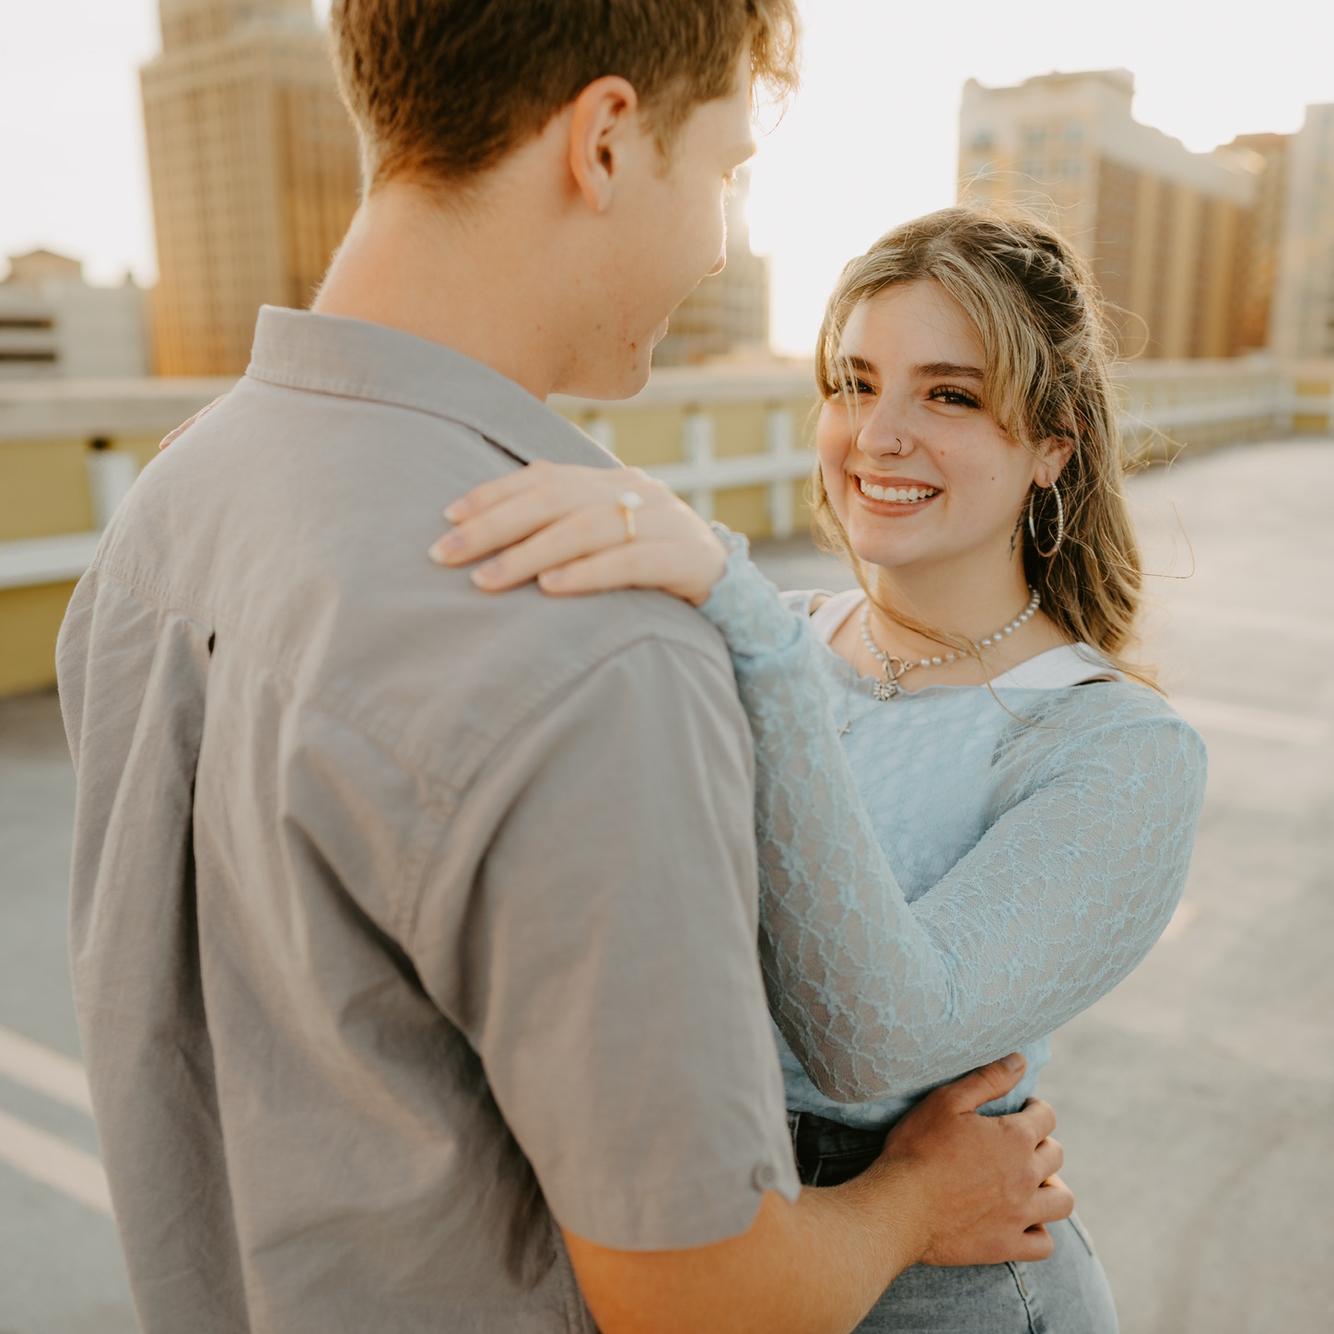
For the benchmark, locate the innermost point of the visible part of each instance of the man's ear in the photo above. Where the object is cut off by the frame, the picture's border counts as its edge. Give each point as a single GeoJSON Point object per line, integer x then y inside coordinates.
{"type": "Point", "coordinates": [1053, 455]}
{"type": "Point", "coordinates": [604, 123]}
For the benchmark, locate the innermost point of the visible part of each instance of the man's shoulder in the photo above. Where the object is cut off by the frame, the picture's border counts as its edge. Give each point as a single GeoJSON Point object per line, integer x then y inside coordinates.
{"type": "Point", "coordinates": [483, 662]}
{"type": "Point", "coordinates": [307, 555]}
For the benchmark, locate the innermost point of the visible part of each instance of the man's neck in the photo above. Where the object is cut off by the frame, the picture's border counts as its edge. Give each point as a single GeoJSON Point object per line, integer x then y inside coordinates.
{"type": "Point", "coordinates": [456, 279]}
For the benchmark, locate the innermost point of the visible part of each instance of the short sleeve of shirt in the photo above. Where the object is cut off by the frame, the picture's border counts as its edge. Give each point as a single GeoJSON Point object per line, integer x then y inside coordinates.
{"type": "Point", "coordinates": [590, 923]}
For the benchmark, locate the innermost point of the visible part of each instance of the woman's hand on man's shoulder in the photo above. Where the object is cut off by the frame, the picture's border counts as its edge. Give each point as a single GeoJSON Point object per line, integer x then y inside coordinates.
{"type": "Point", "coordinates": [579, 530]}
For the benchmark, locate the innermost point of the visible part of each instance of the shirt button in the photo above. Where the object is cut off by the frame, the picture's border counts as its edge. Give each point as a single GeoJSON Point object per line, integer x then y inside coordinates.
{"type": "Point", "coordinates": [764, 1177]}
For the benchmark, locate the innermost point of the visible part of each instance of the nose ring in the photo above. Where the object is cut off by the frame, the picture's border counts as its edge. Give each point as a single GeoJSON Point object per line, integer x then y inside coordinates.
{"type": "Point", "coordinates": [899, 450]}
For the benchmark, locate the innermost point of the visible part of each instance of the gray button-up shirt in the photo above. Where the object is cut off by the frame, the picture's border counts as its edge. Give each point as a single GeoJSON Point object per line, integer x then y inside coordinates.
{"type": "Point", "coordinates": [407, 921]}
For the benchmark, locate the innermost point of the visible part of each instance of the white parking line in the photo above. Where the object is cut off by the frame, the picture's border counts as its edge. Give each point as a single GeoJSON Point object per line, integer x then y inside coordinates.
{"type": "Point", "coordinates": [43, 1070]}
{"type": "Point", "coordinates": [42, 1157]}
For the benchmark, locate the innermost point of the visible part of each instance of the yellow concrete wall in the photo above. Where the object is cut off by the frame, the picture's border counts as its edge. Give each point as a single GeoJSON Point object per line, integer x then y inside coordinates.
{"type": "Point", "coordinates": [1312, 423]}
{"type": "Point", "coordinates": [738, 430]}
{"type": "Point", "coordinates": [44, 492]}
{"type": "Point", "coordinates": [29, 621]}
{"type": "Point", "coordinates": [648, 438]}
{"type": "Point", "coordinates": [43, 488]}
{"type": "Point", "coordinates": [745, 509]}
{"type": "Point", "coordinates": [144, 449]}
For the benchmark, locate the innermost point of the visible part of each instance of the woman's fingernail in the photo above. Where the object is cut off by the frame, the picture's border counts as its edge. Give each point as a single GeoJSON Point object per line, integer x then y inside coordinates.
{"type": "Point", "coordinates": [456, 511]}
{"type": "Point", "coordinates": [487, 574]}
{"type": "Point", "coordinates": [551, 578]}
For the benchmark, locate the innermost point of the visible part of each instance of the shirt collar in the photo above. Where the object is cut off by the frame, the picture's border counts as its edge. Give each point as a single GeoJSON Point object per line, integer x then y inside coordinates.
{"type": "Point", "coordinates": [332, 354]}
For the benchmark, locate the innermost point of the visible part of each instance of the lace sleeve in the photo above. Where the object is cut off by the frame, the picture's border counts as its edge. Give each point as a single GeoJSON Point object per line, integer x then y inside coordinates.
{"type": "Point", "coordinates": [1059, 900]}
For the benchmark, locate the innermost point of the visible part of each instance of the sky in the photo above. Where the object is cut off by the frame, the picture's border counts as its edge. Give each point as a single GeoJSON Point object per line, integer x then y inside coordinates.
{"type": "Point", "coordinates": [869, 141]}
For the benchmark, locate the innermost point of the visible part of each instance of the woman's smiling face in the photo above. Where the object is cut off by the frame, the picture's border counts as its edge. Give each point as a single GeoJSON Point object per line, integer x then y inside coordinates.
{"type": "Point", "coordinates": [914, 424]}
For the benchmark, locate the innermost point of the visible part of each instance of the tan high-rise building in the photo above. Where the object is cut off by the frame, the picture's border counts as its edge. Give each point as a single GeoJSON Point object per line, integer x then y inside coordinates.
{"type": "Point", "coordinates": [1261, 234]}
{"type": "Point", "coordinates": [1163, 228]}
{"type": "Point", "coordinates": [1303, 318]}
{"type": "Point", "coordinates": [727, 314]}
{"type": "Point", "coordinates": [255, 173]}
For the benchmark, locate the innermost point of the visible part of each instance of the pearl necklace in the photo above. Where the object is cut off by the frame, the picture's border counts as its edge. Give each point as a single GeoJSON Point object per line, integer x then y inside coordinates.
{"type": "Point", "coordinates": [896, 668]}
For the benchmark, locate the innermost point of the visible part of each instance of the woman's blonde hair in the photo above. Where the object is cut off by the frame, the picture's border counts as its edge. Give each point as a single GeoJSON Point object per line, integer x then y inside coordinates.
{"type": "Point", "coordinates": [1048, 353]}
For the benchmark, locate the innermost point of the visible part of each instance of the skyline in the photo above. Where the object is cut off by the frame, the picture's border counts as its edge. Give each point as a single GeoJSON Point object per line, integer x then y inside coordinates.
{"type": "Point", "coordinates": [885, 82]}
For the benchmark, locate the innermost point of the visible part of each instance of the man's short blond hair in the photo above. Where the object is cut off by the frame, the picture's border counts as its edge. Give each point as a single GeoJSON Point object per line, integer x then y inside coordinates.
{"type": "Point", "coordinates": [441, 90]}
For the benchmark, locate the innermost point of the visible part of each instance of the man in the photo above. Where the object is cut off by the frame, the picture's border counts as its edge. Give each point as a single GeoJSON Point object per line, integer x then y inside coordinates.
{"type": "Point", "coordinates": [414, 930]}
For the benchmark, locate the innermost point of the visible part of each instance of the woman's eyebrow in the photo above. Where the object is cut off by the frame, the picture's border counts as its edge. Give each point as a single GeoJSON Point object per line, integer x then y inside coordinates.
{"type": "Point", "coordinates": [934, 368]}
{"type": "Point", "coordinates": [856, 363]}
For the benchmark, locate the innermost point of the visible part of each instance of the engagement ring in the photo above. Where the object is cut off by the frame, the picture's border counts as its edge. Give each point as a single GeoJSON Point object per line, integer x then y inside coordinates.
{"type": "Point", "coordinates": [628, 502]}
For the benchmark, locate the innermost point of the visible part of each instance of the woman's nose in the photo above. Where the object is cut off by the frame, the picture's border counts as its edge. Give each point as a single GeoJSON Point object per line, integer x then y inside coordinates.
{"type": "Point", "coordinates": [881, 436]}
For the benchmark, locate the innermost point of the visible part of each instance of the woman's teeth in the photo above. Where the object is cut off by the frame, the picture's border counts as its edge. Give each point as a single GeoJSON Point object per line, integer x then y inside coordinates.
{"type": "Point", "coordinates": [901, 495]}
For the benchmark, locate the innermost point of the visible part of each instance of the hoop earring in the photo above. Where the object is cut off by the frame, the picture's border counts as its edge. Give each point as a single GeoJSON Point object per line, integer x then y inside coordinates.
{"type": "Point", "coordinates": [1060, 523]}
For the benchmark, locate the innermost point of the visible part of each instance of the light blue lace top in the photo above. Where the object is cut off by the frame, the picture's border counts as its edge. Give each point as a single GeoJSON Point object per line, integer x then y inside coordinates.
{"type": "Point", "coordinates": [947, 882]}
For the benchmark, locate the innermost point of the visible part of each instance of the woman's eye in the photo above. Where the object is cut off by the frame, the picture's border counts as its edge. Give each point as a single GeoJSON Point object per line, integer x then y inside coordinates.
{"type": "Point", "coordinates": [855, 388]}
{"type": "Point", "coordinates": [958, 397]}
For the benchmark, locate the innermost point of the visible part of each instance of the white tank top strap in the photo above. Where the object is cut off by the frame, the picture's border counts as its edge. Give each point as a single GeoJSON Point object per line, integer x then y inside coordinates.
{"type": "Point", "coordinates": [833, 611]}
{"type": "Point", "coordinates": [1068, 665]}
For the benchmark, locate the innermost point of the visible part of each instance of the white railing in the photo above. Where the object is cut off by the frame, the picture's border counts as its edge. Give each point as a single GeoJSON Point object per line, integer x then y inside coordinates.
{"type": "Point", "coordinates": [34, 561]}
{"type": "Point", "coordinates": [1171, 399]}
{"type": "Point", "coordinates": [703, 475]}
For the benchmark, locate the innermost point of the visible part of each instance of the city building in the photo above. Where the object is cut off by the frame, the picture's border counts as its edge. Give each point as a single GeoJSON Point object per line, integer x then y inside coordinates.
{"type": "Point", "coordinates": [1303, 320]}
{"type": "Point", "coordinates": [255, 173]}
{"type": "Point", "coordinates": [1261, 236]}
{"type": "Point", "coordinates": [53, 323]}
{"type": "Point", "coordinates": [1163, 228]}
{"type": "Point", "coordinates": [726, 315]}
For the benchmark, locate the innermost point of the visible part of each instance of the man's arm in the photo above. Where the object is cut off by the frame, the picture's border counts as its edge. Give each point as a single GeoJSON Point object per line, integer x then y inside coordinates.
{"type": "Point", "coordinates": [589, 922]}
{"type": "Point", "coordinates": [952, 1187]}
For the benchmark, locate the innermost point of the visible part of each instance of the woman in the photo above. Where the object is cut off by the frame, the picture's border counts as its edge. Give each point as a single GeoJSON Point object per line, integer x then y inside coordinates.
{"type": "Point", "coordinates": [974, 817]}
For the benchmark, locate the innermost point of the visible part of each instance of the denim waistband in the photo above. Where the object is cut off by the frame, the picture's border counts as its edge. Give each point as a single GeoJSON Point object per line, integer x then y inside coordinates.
{"type": "Point", "coordinates": [828, 1152]}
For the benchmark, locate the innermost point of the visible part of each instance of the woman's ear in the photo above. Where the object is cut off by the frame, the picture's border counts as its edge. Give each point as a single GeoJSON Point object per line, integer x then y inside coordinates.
{"type": "Point", "coordinates": [1053, 455]}
{"type": "Point", "coordinates": [603, 121]}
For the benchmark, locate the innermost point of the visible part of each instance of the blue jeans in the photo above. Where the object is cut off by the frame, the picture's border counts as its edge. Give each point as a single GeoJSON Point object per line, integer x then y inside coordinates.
{"type": "Point", "coordinates": [1065, 1294]}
